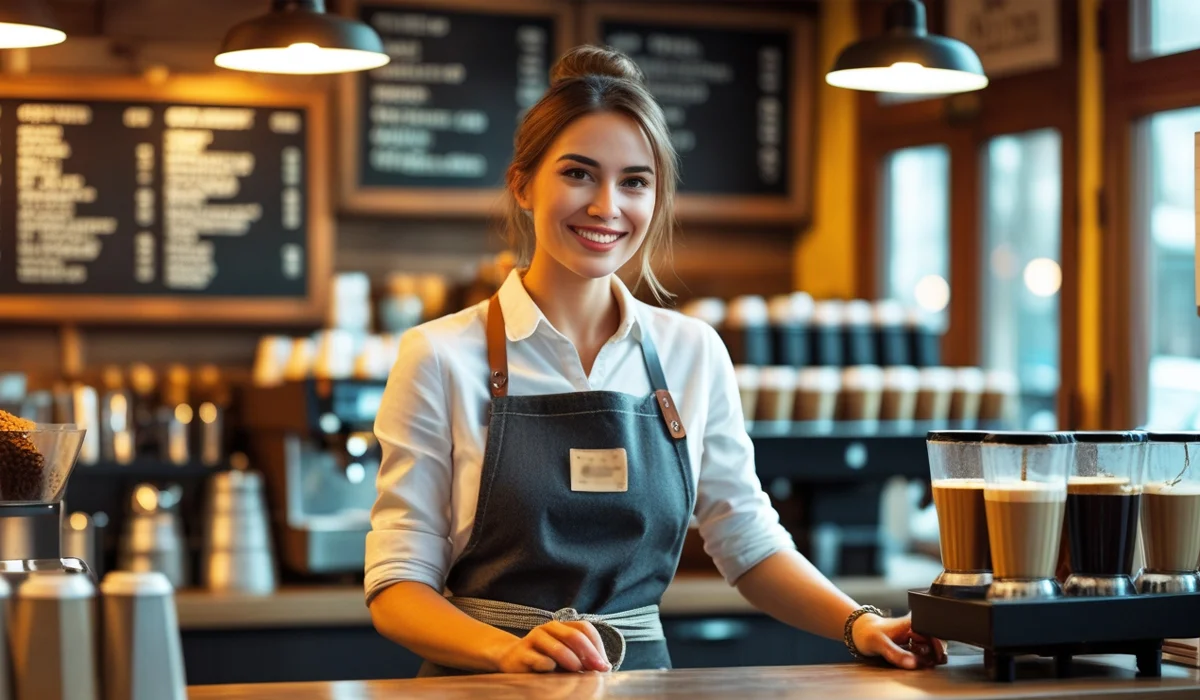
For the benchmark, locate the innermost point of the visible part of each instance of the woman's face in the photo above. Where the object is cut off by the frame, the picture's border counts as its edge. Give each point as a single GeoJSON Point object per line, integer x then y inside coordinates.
{"type": "Point", "coordinates": [592, 197]}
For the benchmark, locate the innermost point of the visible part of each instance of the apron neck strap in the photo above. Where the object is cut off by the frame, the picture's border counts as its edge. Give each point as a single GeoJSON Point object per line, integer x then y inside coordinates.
{"type": "Point", "coordinates": [497, 349]}
{"type": "Point", "coordinates": [658, 380]}
{"type": "Point", "coordinates": [662, 396]}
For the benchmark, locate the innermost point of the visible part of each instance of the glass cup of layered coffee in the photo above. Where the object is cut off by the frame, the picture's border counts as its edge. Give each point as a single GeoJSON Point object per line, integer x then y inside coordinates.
{"type": "Point", "coordinates": [1171, 514]}
{"type": "Point", "coordinates": [1025, 496]}
{"type": "Point", "coordinates": [956, 474]}
{"type": "Point", "coordinates": [1104, 493]}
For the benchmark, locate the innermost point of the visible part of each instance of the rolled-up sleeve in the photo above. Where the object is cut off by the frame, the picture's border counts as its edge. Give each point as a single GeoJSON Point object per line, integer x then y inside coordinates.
{"type": "Point", "coordinates": [410, 521]}
{"type": "Point", "coordinates": [739, 526]}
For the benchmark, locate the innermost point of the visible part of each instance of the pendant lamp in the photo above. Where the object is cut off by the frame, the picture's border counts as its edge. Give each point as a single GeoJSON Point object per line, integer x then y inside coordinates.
{"type": "Point", "coordinates": [25, 24]}
{"type": "Point", "coordinates": [907, 59]}
{"type": "Point", "coordinates": [297, 37]}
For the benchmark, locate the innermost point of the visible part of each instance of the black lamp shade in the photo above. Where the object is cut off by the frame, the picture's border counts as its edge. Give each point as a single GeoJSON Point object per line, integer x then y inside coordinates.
{"type": "Point", "coordinates": [928, 51]}
{"type": "Point", "coordinates": [907, 59]}
{"type": "Point", "coordinates": [272, 42]}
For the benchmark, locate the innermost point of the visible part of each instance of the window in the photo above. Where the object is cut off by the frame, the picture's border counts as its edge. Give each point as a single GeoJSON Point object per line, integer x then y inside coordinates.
{"type": "Point", "coordinates": [1151, 113]}
{"type": "Point", "coordinates": [1022, 222]}
{"type": "Point", "coordinates": [1163, 27]}
{"type": "Point", "coordinates": [947, 181]}
{"type": "Point", "coordinates": [1166, 223]}
{"type": "Point", "coordinates": [916, 191]}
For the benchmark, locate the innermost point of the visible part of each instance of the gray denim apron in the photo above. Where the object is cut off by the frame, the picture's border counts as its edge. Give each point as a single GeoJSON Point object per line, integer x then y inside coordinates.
{"type": "Point", "coordinates": [537, 543]}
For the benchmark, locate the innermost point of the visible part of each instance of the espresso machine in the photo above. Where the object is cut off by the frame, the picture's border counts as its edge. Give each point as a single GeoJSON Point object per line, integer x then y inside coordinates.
{"type": "Point", "coordinates": [314, 442]}
{"type": "Point", "coordinates": [35, 462]}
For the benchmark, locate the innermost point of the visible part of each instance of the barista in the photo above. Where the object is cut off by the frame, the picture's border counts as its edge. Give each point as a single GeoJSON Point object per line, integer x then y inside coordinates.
{"type": "Point", "coordinates": [544, 451]}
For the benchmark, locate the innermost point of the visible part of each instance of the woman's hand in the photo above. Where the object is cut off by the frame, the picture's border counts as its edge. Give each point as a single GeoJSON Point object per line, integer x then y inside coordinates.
{"type": "Point", "coordinates": [571, 646]}
{"type": "Point", "coordinates": [894, 639]}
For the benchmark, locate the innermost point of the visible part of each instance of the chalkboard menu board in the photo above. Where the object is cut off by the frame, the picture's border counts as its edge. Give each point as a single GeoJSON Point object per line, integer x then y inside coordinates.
{"type": "Point", "coordinates": [111, 205]}
{"type": "Point", "coordinates": [725, 96]}
{"type": "Point", "coordinates": [736, 89]}
{"type": "Point", "coordinates": [432, 131]}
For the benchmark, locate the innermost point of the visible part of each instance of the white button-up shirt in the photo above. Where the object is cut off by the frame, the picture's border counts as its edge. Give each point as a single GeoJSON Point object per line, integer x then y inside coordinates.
{"type": "Point", "coordinates": [432, 428]}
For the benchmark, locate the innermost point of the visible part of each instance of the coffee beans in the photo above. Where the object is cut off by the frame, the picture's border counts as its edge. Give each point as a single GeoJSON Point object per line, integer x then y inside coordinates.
{"type": "Point", "coordinates": [22, 467]}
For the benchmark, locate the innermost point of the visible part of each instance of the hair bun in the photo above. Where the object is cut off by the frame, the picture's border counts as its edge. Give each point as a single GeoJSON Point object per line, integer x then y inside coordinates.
{"type": "Point", "coordinates": [586, 60]}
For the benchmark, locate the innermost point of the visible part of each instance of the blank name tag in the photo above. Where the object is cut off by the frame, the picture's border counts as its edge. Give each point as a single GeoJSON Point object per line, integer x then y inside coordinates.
{"type": "Point", "coordinates": [599, 471]}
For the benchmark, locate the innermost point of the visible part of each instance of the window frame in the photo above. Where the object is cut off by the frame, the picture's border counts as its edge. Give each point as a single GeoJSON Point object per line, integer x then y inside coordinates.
{"type": "Point", "coordinates": [1133, 90]}
{"type": "Point", "coordinates": [1044, 98]}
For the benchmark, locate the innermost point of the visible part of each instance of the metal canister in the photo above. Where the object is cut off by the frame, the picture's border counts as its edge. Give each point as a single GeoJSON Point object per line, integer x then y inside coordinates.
{"type": "Point", "coordinates": [237, 555]}
{"type": "Point", "coordinates": [153, 538]}
{"type": "Point", "coordinates": [117, 437]}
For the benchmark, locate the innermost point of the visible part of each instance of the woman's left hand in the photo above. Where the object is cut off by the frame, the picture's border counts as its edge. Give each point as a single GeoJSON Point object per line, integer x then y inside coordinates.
{"type": "Point", "coordinates": [893, 638]}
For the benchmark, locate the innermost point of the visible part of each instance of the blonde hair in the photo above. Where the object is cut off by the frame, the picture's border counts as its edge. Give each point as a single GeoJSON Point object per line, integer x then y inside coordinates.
{"type": "Point", "coordinates": [588, 80]}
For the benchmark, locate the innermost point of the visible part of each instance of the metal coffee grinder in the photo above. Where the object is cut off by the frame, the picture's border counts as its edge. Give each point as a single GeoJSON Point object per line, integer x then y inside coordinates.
{"type": "Point", "coordinates": [35, 463]}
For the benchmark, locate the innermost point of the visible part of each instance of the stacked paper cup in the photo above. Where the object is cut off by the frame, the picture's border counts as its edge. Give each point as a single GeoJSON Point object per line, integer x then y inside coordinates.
{"type": "Point", "coordinates": [748, 381]}
{"type": "Point", "coordinates": [747, 331]}
{"type": "Point", "coordinates": [900, 387]}
{"type": "Point", "coordinates": [935, 391]}
{"type": "Point", "coordinates": [858, 333]}
{"type": "Point", "coordinates": [828, 348]}
{"type": "Point", "coordinates": [862, 393]}
{"type": "Point", "coordinates": [776, 393]}
{"type": "Point", "coordinates": [1001, 390]}
{"type": "Point", "coordinates": [790, 316]}
{"type": "Point", "coordinates": [708, 309]}
{"type": "Point", "coordinates": [891, 336]}
{"type": "Point", "coordinates": [817, 390]}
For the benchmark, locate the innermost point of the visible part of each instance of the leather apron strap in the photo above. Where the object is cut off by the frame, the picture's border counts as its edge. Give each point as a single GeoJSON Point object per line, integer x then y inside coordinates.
{"type": "Point", "coordinates": [666, 404]}
{"type": "Point", "coordinates": [497, 349]}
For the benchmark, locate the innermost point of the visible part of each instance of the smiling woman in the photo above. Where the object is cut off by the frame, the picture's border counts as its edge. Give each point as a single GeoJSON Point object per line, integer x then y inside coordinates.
{"type": "Point", "coordinates": [596, 113]}
{"type": "Point", "coordinates": [541, 463]}
{"type": "Point", "coordinates": [591, 214]}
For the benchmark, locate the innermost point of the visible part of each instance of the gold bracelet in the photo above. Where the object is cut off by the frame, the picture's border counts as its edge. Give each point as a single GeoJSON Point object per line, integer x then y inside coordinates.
{"type": "Point", "coordinates": [848, 634]}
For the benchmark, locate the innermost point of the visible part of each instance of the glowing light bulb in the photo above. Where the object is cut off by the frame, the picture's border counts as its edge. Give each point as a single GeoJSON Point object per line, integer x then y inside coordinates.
{"type": "Point", "coordinates": [1043, 277]}
{"type": "Point", "coordinates": [932, 293]}
{"type": "Point", "coordinates": [301, 58]}
{"type": "Point", "coordinates": [909, 78]}
{"type": "Point", "coordinates": [27, 36]}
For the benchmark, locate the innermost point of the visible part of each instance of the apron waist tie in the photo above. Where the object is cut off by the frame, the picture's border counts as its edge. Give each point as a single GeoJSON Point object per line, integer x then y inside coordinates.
{"type": "Point", "coordinates": [637, 625]}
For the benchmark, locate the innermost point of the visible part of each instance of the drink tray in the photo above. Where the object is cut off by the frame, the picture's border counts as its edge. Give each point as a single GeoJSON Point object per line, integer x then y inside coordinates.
{"type": "Point", "coordinates": [1060, 628]}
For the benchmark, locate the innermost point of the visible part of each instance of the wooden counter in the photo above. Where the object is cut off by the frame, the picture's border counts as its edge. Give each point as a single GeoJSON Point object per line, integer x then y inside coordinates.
{"type": "Point", "coordinates": [343, 606]}
{"type": "Point", "coordinates": [1111, 677]}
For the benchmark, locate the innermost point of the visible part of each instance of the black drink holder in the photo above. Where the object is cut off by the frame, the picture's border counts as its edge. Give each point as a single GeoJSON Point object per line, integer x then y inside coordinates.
{"type": "Point", "coordinates": [1060, 628]}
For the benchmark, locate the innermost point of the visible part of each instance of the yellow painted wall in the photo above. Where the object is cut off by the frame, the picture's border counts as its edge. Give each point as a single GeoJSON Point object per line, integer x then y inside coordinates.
{"type": "Point", "coordinates": [825, 253]}
{"type": "Point", "coordinates": [1091, 174]}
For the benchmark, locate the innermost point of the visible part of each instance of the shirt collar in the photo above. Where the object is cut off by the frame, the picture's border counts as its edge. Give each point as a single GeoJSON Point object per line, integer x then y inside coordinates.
{"type": "Point", "coordinates": [522, 316]}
